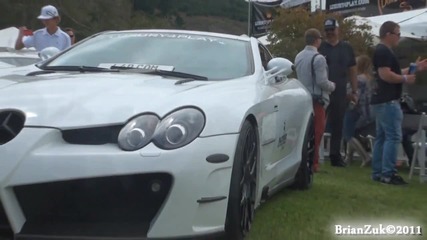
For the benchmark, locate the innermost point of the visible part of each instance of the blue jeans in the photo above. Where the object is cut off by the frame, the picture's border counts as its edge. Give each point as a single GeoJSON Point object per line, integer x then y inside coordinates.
{"type": "Point", "coordinates": [389, 118]}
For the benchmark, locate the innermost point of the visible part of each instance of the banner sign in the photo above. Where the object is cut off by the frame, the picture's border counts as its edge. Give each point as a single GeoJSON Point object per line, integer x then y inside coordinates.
{"type": "Point", "coordinates": [368, 8]}
{"type": "Point", "coordinates": [262, 14]}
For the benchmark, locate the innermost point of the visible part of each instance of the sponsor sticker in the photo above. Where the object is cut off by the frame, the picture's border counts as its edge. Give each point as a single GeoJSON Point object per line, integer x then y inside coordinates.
{"type": "Point", "coordinates": [149, 67]}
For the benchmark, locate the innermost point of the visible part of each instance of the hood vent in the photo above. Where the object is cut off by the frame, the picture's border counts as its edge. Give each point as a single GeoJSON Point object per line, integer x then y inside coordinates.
{"type": "Point", "coordinates": [11, 123]}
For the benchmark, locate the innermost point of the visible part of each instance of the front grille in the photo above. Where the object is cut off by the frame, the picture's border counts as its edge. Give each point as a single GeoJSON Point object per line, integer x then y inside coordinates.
{"type": "Point", "coordinates": [120, 206]}
{"type": "Point", "coordinates": [11, 123]}
{"type": "Point", "coordinates": [92, 136]}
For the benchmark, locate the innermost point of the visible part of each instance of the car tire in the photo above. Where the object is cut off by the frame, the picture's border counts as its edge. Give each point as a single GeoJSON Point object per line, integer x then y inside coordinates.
{"type": "Point", "coordinates": [242, 196]}
{"type": "Point", "coordinates": [304, 176]}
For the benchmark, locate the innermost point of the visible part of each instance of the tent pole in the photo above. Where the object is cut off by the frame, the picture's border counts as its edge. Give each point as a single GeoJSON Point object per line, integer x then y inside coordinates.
{"type": "Point", "coordinates": [249, 17]}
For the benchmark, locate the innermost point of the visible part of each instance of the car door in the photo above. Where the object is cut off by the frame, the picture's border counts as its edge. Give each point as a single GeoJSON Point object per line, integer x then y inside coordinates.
{"type": "Point", "coordinates": [287, 125]}
{"type": "Point", "coordinates": [270, 109]}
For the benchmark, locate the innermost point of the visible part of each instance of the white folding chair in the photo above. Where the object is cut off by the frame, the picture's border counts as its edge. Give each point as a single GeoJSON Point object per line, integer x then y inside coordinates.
{"type": "Point", "coordinates": [420, 144]}
{"type": "Point", "coordinates": [324, 147]}
{"type": "Point", "coordinates": [401, 155]}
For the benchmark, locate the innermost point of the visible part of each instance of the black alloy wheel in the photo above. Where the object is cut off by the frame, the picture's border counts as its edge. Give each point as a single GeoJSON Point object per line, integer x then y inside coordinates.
{"type": "Point", "coordinates": [241, 204]}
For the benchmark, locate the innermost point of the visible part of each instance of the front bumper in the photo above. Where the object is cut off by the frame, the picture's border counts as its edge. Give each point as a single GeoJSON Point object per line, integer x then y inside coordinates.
{"type": "Point", "coordinates": [101, 191]}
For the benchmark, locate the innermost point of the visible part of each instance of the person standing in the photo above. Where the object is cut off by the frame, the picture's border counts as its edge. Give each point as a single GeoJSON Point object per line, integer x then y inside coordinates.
{"type": "Point", "coordinates": [50, 36]}
{"type": "Point", "coordinates": [386, 105]}
{"type": "Point", "coordinates": [342, 68]}
{"type": "Point", "coordinates": [359, 115]}
{"type": "Point", "coordinates": [312, 71]}
{"type": "Point", "coordinates": [72, 34]}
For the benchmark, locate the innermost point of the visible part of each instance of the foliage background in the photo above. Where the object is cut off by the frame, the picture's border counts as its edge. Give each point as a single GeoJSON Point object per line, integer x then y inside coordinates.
{"type": "Point", "coordinates": [92, 16]}
{"type": "Point", "coordinates": [225, 16]}
{"type": "Point", "coordinates": [287, 37]}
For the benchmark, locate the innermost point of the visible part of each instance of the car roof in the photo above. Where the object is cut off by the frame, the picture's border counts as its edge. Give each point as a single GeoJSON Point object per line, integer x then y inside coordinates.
{"type": "Point", "coordinates": [211, 34]}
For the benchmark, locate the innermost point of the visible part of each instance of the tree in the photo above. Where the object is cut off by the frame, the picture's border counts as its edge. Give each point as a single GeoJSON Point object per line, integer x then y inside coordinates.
{"type": "Point", "coordinates": [91, 16]}
{"type": "Point", "coordinates": [289, 26]}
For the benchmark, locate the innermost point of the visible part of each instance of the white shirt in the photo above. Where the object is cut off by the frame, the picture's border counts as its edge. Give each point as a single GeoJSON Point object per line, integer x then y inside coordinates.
{"type": "Point", "coordinates": [41, 39]}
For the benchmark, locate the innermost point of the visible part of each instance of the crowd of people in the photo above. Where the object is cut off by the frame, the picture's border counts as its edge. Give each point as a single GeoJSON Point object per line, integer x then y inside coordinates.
{"type": "Point", "coordinates": [352, 95]}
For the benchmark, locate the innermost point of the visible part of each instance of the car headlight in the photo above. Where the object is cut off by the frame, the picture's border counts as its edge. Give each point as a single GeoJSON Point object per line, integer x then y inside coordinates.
{"type": "Point", "coordinates": [138, 132]}
{"type": "Point", "coordinates": [179, 128]}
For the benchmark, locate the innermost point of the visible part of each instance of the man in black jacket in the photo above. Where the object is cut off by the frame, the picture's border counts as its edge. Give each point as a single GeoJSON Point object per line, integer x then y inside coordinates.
{"type": "Point", "coordinates": [342, 68]}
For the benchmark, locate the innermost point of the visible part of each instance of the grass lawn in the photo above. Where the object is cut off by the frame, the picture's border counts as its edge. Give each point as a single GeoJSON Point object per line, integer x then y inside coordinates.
{"type": "Point", "coordinates": [340, 196]}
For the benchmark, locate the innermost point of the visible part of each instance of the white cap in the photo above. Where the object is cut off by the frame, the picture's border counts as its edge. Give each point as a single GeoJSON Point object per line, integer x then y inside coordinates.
{"type": "Point", "coordinates": [48, 12]}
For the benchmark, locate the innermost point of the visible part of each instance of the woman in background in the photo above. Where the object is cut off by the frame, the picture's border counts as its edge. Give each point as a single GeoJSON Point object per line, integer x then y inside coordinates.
{"type": "Point", "coordinates": [71, 33]}
{"type": "Point", "coordinates": [359, 115]}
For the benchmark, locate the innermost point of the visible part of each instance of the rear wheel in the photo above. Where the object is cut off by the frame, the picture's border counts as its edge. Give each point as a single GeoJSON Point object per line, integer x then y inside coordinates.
{"type": "Point", "coordinates": [304, 177]}
{"type": "Point", "coordinates": [241, 202]}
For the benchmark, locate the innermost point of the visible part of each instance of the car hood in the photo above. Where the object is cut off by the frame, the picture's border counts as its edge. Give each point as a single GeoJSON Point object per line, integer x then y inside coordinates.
{"type": "Point", "coordinates": [22, 71]}
{"type": "Point", "coordinates": [92, 99]}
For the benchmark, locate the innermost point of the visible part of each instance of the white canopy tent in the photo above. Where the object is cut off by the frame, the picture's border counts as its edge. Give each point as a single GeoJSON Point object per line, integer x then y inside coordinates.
{"type": "Point", "coordinates": [412, 23]}
{"type": "Point", "coordinates": [264, 40]}
{"type": "Point", "coordinates": [8, 37]}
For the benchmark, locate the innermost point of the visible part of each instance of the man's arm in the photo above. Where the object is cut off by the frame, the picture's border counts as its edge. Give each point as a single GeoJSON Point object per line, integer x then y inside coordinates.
{"type": "Point", "coordinates": [389, 76]}
{"type": "Point", "coordinates": [383, 60]}
{"type": "Point", "coordinates": [321, 71]}
{"type": "Point", "coordinates": [421, 65]}
{"type": "Point", "coordinates": [19, 44]}
{"type": "Point", "coordinates": [405, 70]}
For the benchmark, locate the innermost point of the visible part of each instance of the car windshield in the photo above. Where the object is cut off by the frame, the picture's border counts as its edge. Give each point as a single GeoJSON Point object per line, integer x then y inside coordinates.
{"type": "Point", "coordinates": [212, 57]}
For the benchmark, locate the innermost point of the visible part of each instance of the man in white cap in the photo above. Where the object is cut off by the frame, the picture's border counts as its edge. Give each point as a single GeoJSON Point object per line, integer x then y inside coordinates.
{"type": "Point", "coordinates": [50, 36]}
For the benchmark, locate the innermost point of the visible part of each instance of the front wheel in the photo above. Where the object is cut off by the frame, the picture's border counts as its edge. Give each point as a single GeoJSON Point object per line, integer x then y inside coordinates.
{"type": "Point", "coordinates": [241, 202]}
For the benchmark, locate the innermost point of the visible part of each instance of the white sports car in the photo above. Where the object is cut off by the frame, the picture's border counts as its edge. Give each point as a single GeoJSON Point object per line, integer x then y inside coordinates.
{"type": "Point", "coordinates": [151, 134]}
{"type": "Point", "coordinates": [13, 58]}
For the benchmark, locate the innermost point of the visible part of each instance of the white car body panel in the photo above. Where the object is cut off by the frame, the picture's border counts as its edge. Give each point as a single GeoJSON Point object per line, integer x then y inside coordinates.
{"type": "Point", "coordinates": [62, 101]}
{"type": "Point", "coordinates": [18, 58]}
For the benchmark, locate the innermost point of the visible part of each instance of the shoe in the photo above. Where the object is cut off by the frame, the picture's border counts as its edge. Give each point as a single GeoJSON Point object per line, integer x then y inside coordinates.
{"type": "Point", "coordinates": [337, 161]}
{"type": "Point", "coordinates": [393, 180]}
{"type": "Point", "coordinates": [376, 178]}
{"type": "Point", "coordinates": [315, 168]}
{"type": "Point", "coordinates": [366, 161]}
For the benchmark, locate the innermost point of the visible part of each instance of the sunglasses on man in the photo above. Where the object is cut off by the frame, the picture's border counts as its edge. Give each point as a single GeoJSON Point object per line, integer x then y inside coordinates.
{"type": "Point", "coordinates": [397, 34]}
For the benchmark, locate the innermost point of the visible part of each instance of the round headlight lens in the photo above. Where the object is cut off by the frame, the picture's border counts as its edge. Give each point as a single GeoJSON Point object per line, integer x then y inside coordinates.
{"type": "Point", "coordinates": [179, 128]}
{"type": "Point", "coordinates": [138, 132]}
{"type": "Point", "coordinates": [135, 137]}
{"type": "Point", "coordinates": [175, 134]}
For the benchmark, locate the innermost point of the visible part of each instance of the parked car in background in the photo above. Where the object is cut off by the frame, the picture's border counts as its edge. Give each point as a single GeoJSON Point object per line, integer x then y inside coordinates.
{"type": "Point", "coordinates": [17, 58]}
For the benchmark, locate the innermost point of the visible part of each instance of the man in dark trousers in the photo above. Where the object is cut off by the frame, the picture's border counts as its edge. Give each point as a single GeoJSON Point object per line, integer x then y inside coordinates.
{"type": "Point", "coordinates": [342, 68]}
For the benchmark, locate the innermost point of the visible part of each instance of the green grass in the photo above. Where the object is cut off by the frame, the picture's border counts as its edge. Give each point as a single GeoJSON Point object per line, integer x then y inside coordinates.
{"type": "Point", "coordinates": [340, 196]}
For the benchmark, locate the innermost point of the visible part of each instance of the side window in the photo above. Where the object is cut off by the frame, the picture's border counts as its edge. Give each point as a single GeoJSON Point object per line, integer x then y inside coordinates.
{"type": "Point", "coordinates": [265, 55]}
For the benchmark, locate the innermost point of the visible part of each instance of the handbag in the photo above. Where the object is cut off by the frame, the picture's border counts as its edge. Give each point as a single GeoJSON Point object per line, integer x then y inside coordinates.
{"type": "Point", "coordinates": [407, 105]}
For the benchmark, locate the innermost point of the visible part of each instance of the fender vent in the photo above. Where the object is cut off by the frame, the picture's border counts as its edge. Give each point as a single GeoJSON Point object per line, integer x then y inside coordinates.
{"type": "Point", "coordinates": [11, 123]}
